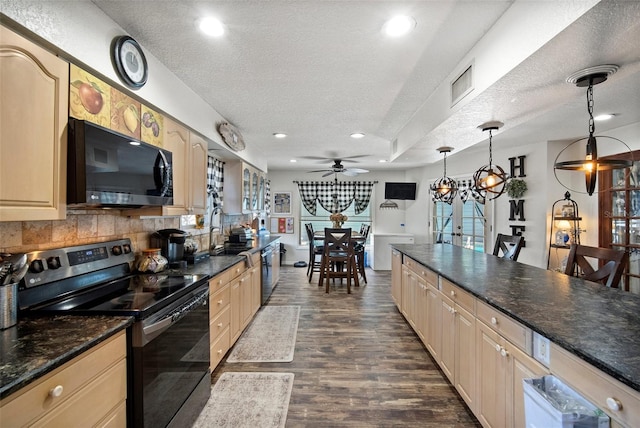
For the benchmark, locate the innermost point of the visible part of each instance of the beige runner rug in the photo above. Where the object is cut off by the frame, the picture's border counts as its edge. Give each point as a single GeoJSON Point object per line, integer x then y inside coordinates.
{"type": "Point", "coordinates": [271, 337]}
{"type": "Point", "coordinates": [248, 399]}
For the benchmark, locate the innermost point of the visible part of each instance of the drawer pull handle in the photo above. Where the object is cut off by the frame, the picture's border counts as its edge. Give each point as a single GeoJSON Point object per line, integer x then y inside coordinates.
{"type": "Point", "coordinates": [219, 351]}
{"type": "Point", "coordinates": [56, 392]}
{"type": "Point", "coordinates": [219, 325]}
{"type": "Point", "coordinates": [498, 347]}
{"type": "Point", "coordinates": [614, 404]}
{"type": "Point", "coordinates": [453, 293]}
{"type": "Point", "coordinates": [219, 302]}
{"type": "Point", "coordinates": [494, 320]}
{"type": "Point", "coordinates": [504, 352]}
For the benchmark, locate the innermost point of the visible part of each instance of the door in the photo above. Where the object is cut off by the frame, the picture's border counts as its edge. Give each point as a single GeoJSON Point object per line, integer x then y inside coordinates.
{"type": "Point", "coordinates": [461, 223]}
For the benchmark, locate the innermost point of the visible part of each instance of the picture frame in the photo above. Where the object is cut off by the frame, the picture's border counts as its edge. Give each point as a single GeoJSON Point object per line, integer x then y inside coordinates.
{"type": "Point", "coordinates": [281, 203]}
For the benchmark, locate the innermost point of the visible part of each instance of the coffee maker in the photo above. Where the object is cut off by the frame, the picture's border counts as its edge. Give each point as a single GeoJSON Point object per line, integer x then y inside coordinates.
{"type": "Point", "coordinates": [171, 244]}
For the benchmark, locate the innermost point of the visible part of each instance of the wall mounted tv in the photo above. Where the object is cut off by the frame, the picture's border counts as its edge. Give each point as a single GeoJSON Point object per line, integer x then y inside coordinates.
{"type": "Point", "coordinates": [403, 191]}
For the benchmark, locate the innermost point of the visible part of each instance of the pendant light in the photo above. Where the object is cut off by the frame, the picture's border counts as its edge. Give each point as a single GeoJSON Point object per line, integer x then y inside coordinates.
{"type": "Point", "coordinates": [591, 164]}
{"type": "Point", "coordinates": [445, 188]}
{"type": "Point", "coordinates": [490, 179]}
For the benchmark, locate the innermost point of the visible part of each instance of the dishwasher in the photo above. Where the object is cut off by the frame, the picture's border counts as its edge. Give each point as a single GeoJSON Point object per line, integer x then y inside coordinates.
{"type": "Point", "coordinates": [266, 257]}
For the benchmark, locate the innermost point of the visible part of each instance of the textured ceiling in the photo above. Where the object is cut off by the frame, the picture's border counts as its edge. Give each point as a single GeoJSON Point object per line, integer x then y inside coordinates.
{"type": "Point", "coordinates": [320, 70]}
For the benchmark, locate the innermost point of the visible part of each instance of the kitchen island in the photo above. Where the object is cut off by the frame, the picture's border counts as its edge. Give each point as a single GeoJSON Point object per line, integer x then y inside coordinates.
{"type": "Point", "coordinates": [598, 325]}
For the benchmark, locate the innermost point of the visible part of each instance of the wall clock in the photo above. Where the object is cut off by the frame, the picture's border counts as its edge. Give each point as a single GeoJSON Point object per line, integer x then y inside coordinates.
{"type": "Point", "coordinates": [129, 61]}
{"type": "Point", "coordinates": [231, 136]}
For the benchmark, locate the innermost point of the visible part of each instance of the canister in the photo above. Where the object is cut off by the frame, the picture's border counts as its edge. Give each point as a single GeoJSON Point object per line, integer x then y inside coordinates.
{"type": "Point", "coordinates": [8, 305]}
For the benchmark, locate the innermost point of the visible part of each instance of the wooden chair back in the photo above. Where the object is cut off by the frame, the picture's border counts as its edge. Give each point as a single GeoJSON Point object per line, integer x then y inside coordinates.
{"type": "Point", "coordinates": [611, 262]}
{"type": "Point", "coordinates": [510, 246]}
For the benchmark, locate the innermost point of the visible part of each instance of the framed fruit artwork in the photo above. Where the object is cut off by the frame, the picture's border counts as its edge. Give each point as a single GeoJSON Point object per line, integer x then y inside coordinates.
{"type": "Point", "coordinates": [151, 126]}
{"type": "Point", "coordinates": [125, 114]}
{"type": "Point", "coordinates": [89, 97]}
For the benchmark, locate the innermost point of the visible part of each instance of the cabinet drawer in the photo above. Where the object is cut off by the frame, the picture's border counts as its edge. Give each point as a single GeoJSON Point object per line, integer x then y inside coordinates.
{"type": "Point", "coordinates": [236, 270]}
{"type": "Point", "coordinates": [218, 302]}
{"type": "Point", "coordinates": [511, 330]}
{"type": "Point", "coordinates": [219, 348]}
{"type": "Point", "coordinates": [219, 324]}
{"type": "Point", "coordinates": [458, 295]}
{"type": "Point", "coordinates": [598, 387]}
{"type": "Point", "coordinates": [428, 275]}
{"type": "Point", "coordinates": [217, 282]}
{"type": "Point", "coordinates": [33, 401]}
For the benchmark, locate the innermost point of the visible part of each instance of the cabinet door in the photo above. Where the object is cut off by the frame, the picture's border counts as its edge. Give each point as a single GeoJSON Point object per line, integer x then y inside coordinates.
{"type": "Point", "coordinates": [176, 140]}
{"type": "Point", "coordinates": [246, 188]}
{"type": "Point", "coordinates": [33, 113]}
{"type": "Point", "coordinates": [254, 191]}
{"type": "Point", "coordinates": [404, 304]}
{"type": "Point", "coordinates": [247, 299]}
{"type": "Point", "coordinates": [198, 175]}
{"type": "Point", "coordinates": [421, 310]}
{"type": "Point", "coordinates": [261, 194]}
{"type": "Point", "coordinates": [396, 277]}
{"type": "Point", "coordinates": [491, 376]}
{"type": "Point", "coordinates": [235, 323]}
{"type": "Point", "coordinates": [448, 326]}
{"type": "Point", "coordinates": [434, 314]}
{"type": "Point", "coordinates": [465, 365]}
{"type": "Point", "coordinates": [522, 366]}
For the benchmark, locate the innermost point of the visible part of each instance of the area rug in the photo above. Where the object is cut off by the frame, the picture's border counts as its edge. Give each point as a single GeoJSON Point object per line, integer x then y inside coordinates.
{"type": "Point", "coordinates": [248, 399]}
{"type": "Point", "coordinates": [271, 337]}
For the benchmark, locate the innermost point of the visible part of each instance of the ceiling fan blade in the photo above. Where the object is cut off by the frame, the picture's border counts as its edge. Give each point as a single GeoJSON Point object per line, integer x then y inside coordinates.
{"type": "Point", "coordinates": [327, 174]}
{"type": "Point", "coordinates": [353, 157]}
{"type": "Point", "coordinates": [358, 170]}
{"type": "Point", "coordinates": [349, 173]}
{"type": "Point", "coordinates": [321, 170]}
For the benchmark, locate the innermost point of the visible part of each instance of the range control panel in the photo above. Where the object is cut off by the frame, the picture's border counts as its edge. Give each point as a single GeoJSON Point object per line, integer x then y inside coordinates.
{"type": "Point", "coordinates": [54, 265]}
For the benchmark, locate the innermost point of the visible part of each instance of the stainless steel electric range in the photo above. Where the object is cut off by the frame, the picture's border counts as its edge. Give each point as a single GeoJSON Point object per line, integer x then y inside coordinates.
{"type": "Point", "coordinates": [168, 357]}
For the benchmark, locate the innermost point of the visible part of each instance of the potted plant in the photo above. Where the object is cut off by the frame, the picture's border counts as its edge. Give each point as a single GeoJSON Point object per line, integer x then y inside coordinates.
{"type": "Point", "coordinates": [516, 187]}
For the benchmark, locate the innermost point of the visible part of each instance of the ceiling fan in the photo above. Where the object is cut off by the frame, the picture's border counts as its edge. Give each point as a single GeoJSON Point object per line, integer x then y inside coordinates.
{"type": "Point", "coordinates": [337, 167]}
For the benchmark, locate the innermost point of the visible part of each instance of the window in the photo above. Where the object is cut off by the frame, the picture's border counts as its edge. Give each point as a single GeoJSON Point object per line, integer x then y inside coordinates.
{"type": "Point", "coordinates": [321, 219]}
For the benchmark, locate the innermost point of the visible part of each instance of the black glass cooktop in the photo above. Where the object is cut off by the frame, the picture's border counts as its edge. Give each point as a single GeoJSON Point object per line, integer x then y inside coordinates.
{"type": "Point", "coordinates": [135, 295]}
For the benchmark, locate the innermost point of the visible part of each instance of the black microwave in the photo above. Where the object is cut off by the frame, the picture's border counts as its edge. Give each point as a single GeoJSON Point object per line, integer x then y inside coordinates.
{"type": "Point", "coordinates": [106, 168]}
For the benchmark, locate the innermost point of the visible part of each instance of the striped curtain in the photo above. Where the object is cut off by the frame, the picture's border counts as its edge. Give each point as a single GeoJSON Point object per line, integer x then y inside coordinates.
{"type": "Point", "coordinates": [215, 180]}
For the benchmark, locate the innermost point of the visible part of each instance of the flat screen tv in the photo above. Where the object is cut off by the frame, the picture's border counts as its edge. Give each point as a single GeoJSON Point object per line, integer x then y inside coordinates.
{"type": "Point", "coordinates": [403, 191]}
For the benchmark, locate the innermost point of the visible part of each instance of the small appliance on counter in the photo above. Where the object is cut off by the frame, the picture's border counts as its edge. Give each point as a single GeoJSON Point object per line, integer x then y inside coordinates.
{"type": "Point", "coordinates": [240, 235]}
{"type": "Point", "coordinates": [171, 244]}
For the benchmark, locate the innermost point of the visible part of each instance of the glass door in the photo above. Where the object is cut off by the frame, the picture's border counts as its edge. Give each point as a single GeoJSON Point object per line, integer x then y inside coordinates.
{"type": "Point", "coordinates": [619, 216]}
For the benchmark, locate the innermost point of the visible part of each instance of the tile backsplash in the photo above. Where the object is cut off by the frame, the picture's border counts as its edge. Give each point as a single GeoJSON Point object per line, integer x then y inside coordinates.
{"type": "Point", "coordinates": [85, 227]}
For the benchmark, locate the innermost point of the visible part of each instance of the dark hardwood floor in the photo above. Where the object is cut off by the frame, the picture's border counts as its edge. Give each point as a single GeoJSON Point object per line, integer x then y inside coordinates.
{"type": "Point", "coordinates": [357, 362]}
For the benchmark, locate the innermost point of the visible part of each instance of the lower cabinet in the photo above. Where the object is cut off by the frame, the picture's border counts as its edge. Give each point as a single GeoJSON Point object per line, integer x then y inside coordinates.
{"type": "Point", "coordinates": [396, 277]}
{"type": "Point", "coordinates": [219, 313]}
{"type": "Point", "coordinates": [90, 390]}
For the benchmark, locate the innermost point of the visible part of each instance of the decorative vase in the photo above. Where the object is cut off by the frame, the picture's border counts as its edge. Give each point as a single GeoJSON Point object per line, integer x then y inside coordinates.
{"type": "Point", "coordinates": [337, 224]}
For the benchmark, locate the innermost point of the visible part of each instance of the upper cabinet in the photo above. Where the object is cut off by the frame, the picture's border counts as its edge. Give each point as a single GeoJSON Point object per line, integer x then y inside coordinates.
{"type": "Point", "coordinates": [189, 152]}
{"type": "Point", "coordinates": [33, 113]}
{"type": "Point", "coordinates": [244, 188]}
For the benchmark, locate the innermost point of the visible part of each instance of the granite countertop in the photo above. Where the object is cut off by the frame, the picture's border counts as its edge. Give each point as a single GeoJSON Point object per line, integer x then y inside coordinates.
{"type": "Point", "coordinates": [36, 346]}
{"type": "Point", "coordinates": [598, 324]}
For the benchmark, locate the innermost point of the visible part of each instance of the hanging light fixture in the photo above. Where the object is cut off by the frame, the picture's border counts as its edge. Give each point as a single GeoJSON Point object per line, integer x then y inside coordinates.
{"type": "Point", "coordinates": [490, 179]}
{"type": "Point", "coordinates": [591, 164]}
{"type": "Point", "coordinates": [445, 188]}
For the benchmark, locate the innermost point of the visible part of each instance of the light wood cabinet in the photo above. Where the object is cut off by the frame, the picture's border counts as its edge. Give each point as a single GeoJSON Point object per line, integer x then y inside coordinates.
{"type": "Point", "coordinates": [189, 152]}
{"type": "Point", "coordinates": [396, 277]}
{"type": "Point", "coordinates": [90, 390]}
{"type": "Point", "coordinates": [434, 315]}
{"type": "Point", "coordinates": [219, 313]}
{"type": "Point", "coordinates": [244, 188]}
{"type": "Point", "coordinates": [33, 135]}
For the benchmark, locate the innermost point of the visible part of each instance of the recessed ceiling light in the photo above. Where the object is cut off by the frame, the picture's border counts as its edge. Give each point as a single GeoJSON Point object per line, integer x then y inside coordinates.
{"type": "Point", "coordinates": [398, 26]}
{"type": "Point", "coordinates": [279, 135]}
{"type": "Point", "coordinates": [605, 116]}
{"type": "Point", "coordinates": [382, 160]}
{"type": "Point", "coordinates": [211, 26]}
{"type": "Point", "coordinates": [357, 135]}
{"type": "Point", "coordinates": [293, 160]}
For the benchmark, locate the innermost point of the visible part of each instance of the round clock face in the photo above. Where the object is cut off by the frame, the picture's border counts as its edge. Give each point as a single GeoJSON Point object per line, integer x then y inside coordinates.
{"type": "Point", "coordinates": [130, 62]}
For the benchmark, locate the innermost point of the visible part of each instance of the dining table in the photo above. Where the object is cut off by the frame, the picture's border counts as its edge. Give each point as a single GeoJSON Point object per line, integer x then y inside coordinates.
{"type": "Point", "coordinates": [318, 235]}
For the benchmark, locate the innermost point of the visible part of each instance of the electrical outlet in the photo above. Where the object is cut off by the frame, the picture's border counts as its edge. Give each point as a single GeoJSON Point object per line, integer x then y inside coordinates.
{"type": "Point", "coordinates": [541, 349]}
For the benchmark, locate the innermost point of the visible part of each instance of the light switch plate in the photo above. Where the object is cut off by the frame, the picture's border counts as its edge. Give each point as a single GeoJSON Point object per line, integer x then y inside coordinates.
{"type": "Point", "coordinates": [541, 349]}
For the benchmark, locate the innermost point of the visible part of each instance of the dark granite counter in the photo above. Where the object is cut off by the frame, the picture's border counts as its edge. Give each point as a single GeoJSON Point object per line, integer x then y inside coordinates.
{"type": "Point", "coordinates": [36, 346]}
{"type": "Point", "coordinates": [598, 324]}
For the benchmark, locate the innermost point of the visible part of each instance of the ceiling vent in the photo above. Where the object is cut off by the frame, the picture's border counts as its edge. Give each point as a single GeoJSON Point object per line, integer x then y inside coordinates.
{"type": "Point", "coordinates": [462, 85]}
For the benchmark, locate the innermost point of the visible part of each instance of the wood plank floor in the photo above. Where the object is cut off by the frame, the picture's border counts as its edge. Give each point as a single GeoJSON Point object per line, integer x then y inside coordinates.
{"type": "Point", "coordinates": [357, 362]}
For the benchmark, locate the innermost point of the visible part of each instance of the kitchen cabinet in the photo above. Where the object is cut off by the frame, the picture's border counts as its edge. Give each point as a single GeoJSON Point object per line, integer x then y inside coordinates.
{"type": "Point", "coordinates": [502, 358]}
{"type": "Point", "coordinates": [433, 335]}
{"type": "Point", "coordinates": [245, 297]}
{"type": "Point", "coordinates": [189, 152]}
{"type": "Point", "coordinates": [90, 390]}
{"type": "Point", "coordinates": [396, 277]}
{"type": "Point", "coordinates": [34, 112]}
{"type": "Point", "coordinates": [219, 313]}
{"type": "Point", "coordinates": [244, 188]}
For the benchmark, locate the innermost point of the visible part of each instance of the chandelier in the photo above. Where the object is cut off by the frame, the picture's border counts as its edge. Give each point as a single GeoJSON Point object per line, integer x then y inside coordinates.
{"type": "Point", "coordinates": [591, 164]}
{"type": "Point", "coordinates": [490, 179]}
{"type": "Point", "coordinates": [445, 188]}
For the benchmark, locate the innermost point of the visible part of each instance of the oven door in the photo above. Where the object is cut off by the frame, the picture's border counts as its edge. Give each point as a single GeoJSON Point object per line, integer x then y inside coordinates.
{"type": "Point", "coordinates": [170, 363]}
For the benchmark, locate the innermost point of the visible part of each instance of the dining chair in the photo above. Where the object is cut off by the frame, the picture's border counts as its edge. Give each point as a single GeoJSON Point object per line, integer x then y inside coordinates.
{"type": "Point", "coordinates": [611, 264]}
{"type": "Point", "coordinates": [510, 245]}
{"type": "Point", "coordinates": [315, 252]}
{"type": "Point", "coordinates": [358, 249]}
{"type": "Point", "coordinates": [338, 258]}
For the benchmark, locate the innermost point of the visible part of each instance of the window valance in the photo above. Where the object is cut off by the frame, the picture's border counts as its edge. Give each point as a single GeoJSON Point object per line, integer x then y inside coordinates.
{"type": "Point", "coordinates": [335, 196]}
